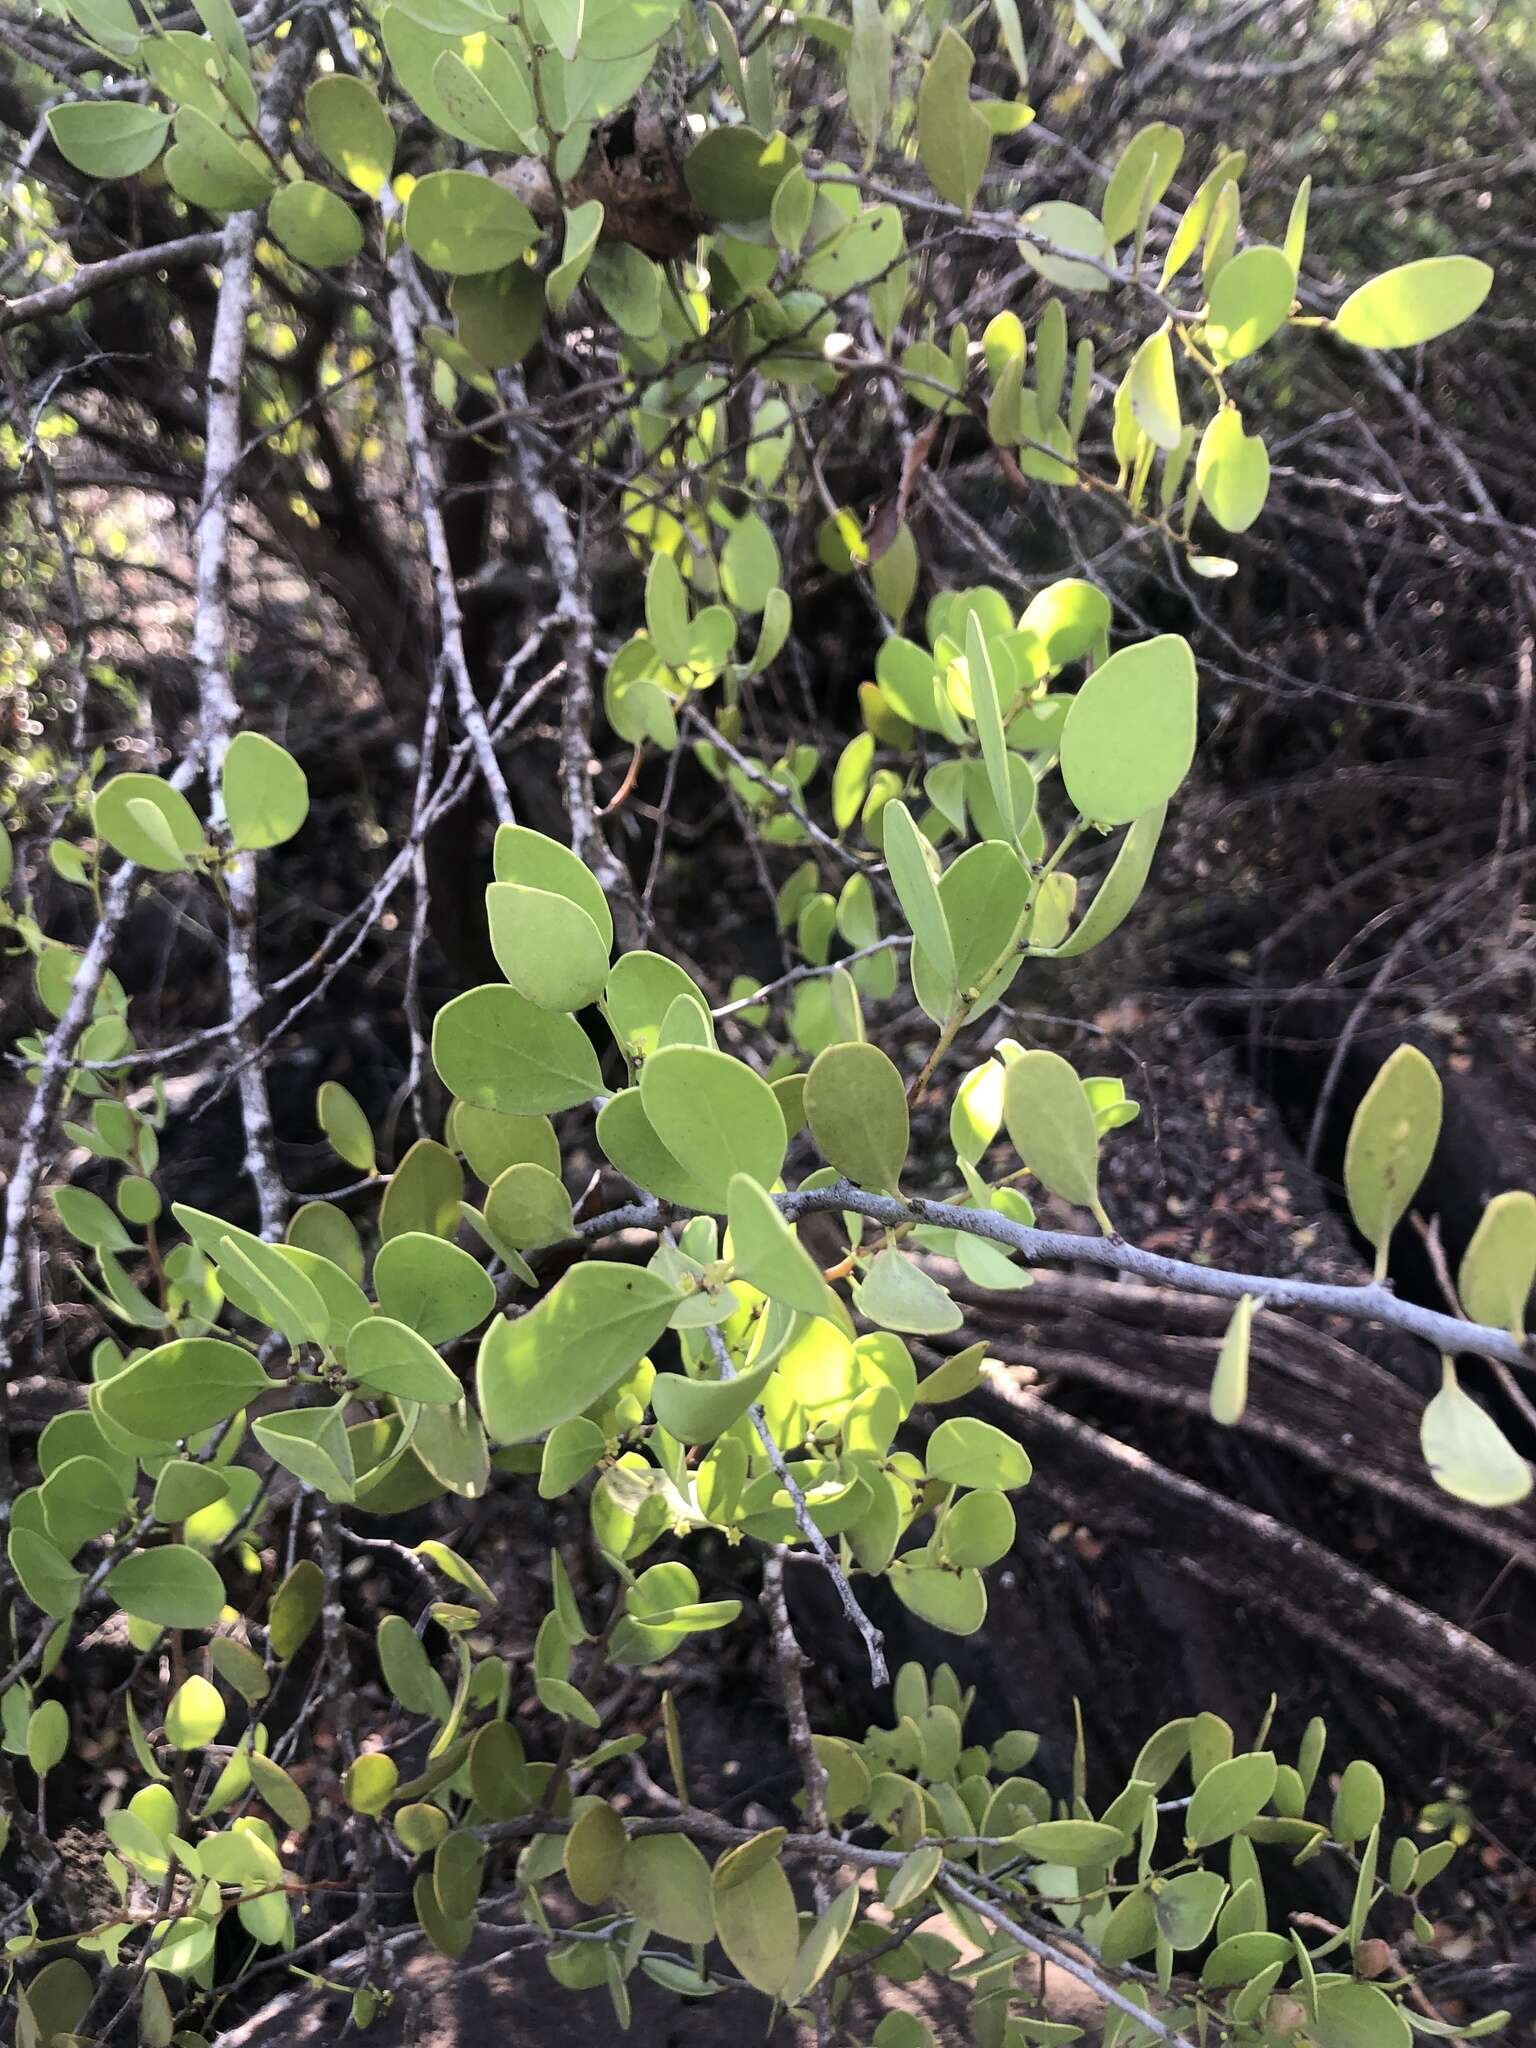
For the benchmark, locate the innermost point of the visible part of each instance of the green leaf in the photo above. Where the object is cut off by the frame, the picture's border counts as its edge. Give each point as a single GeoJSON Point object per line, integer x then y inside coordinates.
{"type": "Point", "coordinates": [628, 287]}
{"type": "Point", "coordinates": [423, 1193]}
{"type": "Point", "coordinates": [755, 1918]}
{"type": "Point", "coordinates": [767, 1253]}
{"type": "Point", "coordinates": [1499, 1267]}
{"type": "Point", "coordinates": [205, 166]}
{"type": "Point", "coordinates": [48, 1736]}
{"type": "Point", "coordinates": [1468, 1455]}
{"type": "Point", "coordinates": [1190, 232]}
{"type": "Point", "coordinates": [1051, 1123]}
{"type": "Point", "coordinates": [917, 891]}
{"type": "Point", "coordinates": [986, 897]}
{"type": "Point", "coordinates": [464, 224]}
{"type": "Point", "coordinates": [341, 1118]}
{"type": "Point", "coordinates": [82, 1499]}
{"type": "Point", "coordinates": [392, 1358]}
{"type": "Point", "coordinates": [1359, 1803]}
{"type": "Point", "coordinates": [1229, 1383]}
{"type": "Point", "coordinates": [953, 1600]}
{"type": "Point", "coordinates": [697, 1411]}
{"type": "Point", "coordinates": [955, 1378]}
{"type": "Point", "coordinates": [953, 137]}
{"type": "Point", "coordinates": [1391, 1142]}
{"type": "Point", "coordinates": [108, 24]}
{"type": "Point", "coordinates": [1358, 2016]}
{"type": "Point", "coordinates": [171, 1586]}
{"type": "Point", "coordinates": [627, 1137]}
{"type": "Point", "coordinates": [491, 1142]}
{"type": "Point", "coordinates": [665, 1882]}
{"type": "Point", "coordinates": [408, 1670]}
{"type": "Point", "coordinates": [138, 1199]}
{"type": "Point", "coordinates": [1068, 618]}
{"type": "Point", "coordinates": [856, 1106]}
{"type": "Point", "coordinates": [1071, 229]}
{"type": "Point", "coordinates": [539, 862]}
{"type": "Point", "coordinates": [778, 616]}
{"type": "Point", "coordinates": [988, 714]}
{"type": "Point", "coordinates": [898, 1295]}
{"type": "Point", "coordinates": [240, 1667]}
{"type": "Point", "coordinates": [594, 1853]}
{"type": "Point", "coordinates": [439, 1290]}
{"type": "Point", "coordinates": [749, 565]}
{"type": "Point", "coordinates": [1154, 391]}
{"type": "Point", "coordinates": [976, 1113]}
{"type": "Point", "coordinates": [666, 610]}
{"type": "Point", "coordinates": [1250, 300]}
{"type": "Point", "coordinates": [89, 1221]}
{"type": "Point", "coordinates": [1414, 303]}
{"type": "Point", "coordinates": [1228, 1797]}
{"type": "Point", "coordinates": [583, 225]}
{"type": "Point", "coordinates": [527, 1207]}
{"type": "Point", "coordinates": [822, 1946]}
{"type": "Point", "coordinates": [351, 131]}
{"type": "Point", "coordinates": [732, 173]}
{"type": "Point", "coordinates": [488, 98]}
{"type": "Point", "coordinates": [182, 1388]}
{"type": "Point", "coordinates": [1186, 1907]}
{"type": "Point", "coordinates": [1232, 472]}
{"type": "Point", "coordinates": [914, 1877]}
{"type": "Point", "coordinates": [499, 313]}
{"type": "Point", "coordinates": [1011, 29]}
{"type": "Point", "coordinates": [190, 74]}
{"type": "Point", "coordinates": [715, 1116]}
{"type": "Point", "coordinates": [547, 946]}
{"type": "Point", "coordinates": [151, 822]}
{"type": "Point", "coordinates": [1077, 1844]}
{"type": "Point", "coordinates": [370, 1782]}
{"type": "Point", "coordinates": [1143, 174]}
{"type": "Point", "coordinates": [296, 1607]}
{"type": "Point", "coordinates": [274, 1786]}
{"type": "Point", "coordinates": [868, 71]}
{"type": "Point", "coordinates": [316, 226]}
{"type": "Point", "coordinates": [965, 1452]}
{"type": "Point", "coordinates": [224, 30]}
{"type": "Point", "coordinates": [571, 1450]}
{"type": "Point", "coordinates": [114, 821]}
{"type": "Point", "coordinates": [47, 1577]}
{"type": "Point", "coordinates": [1120, 891]}
{"type": "Point", "coordinates": [313, 1445]}
{"type": "Point", "coordinates": [195, 1714]}
{"type": "Point", "coordinates": [1240, 1957]}
{"type": "Point", "coordinates": [496, 1050]}
{"type": "Point", "coordinates": [284, 1295]}
{"type": "Point", "coordinates": [1130, 1930]}
{"type": "Point", "coordinates": [1129, 736]}
{"type": "Point", "coordinates": [545, 1367]}
{"type": "Point", "coordinates": [107, 139]}
{"type": "Point", "coordinates": [978, 1530]}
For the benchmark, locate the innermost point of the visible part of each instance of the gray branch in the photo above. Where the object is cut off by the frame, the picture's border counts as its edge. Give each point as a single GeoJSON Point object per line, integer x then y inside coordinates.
{"type": "Point", "coordinates": [1366, 1304]}
{"type": "Point", "coordinates": [405, 332]}
{"type": "Point", "coordinates": [874, 1641]}
{"type": "Point", "coordinates": [219, 710]}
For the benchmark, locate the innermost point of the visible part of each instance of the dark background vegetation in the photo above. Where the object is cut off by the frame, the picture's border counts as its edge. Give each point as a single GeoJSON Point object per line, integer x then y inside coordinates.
{"type": "Point", "coordinates": [1349, 866]}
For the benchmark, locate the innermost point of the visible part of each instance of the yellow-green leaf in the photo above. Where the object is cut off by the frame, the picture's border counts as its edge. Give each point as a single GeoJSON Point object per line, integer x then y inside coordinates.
{"type": "Point", "coordinates": [1391, 1143]}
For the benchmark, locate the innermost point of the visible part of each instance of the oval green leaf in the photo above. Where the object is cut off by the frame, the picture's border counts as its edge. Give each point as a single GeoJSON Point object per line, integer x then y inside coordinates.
{"type": "Point", "coordinates": [1129, 735]}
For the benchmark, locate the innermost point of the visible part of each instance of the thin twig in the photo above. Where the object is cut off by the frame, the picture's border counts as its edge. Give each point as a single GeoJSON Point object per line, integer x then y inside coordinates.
{"type": "Point", "coordinates": [405, 331]}
{"type": "Point", "coordinates": [874, 1641]}
{"type": "Point", "coordinates": [218, 708]}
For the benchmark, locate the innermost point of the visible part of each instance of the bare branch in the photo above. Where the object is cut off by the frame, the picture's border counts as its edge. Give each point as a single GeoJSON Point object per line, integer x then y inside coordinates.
{"type": "Point", "coordinates": [111, 270]}
{"type": "Point", "coordinates": [874, 1641]}
{"type": "Point", "coordinates": [405, 331]}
